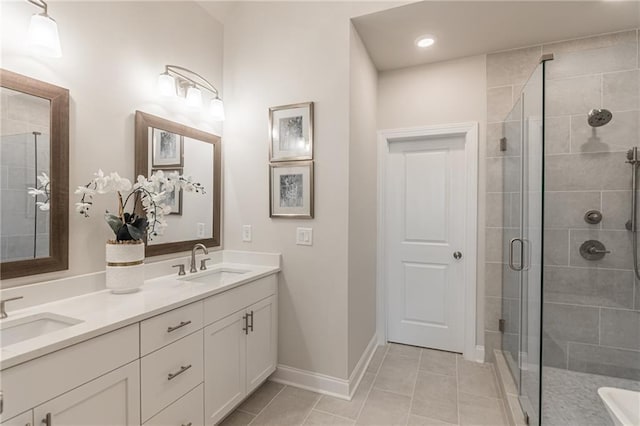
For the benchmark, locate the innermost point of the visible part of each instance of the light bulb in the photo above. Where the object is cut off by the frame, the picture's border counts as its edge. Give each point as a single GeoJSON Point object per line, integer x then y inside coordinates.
{"type": "Point", "coordinates": [166, 84]}
{"type": "Point", "coordinates": [43, 36]}
{"type": "Point", "coordinates": [217, 109]}
{"type": "Point", "coordinates": [194, 97]}
{"type": "Point", "coordinates": [425, 41]}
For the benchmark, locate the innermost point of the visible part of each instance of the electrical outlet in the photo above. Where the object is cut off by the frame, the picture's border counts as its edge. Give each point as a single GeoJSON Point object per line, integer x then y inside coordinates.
{"type": "Point", "coordinates": [246, 233]}
{"type": "Point", "coordinates": [200, 230]}
{"type": "Point", "coordinates": [304, 236]}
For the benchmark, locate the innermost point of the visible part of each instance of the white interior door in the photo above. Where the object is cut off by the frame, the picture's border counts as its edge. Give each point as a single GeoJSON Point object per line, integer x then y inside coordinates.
{"type": "Point", "coordinates": [425, 230]}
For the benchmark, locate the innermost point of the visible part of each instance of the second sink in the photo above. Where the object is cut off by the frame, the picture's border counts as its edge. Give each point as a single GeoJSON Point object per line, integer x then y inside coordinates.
{"type": "Point", "coordinates": [14, 331]}
{"type": "Point", "coordinates": [215, 276]}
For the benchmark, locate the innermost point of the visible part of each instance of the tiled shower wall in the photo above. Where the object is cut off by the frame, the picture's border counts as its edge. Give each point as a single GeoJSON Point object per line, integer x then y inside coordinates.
{"type": "Point", "coordinates": [22, 115]}
{"type": "Point", "coordinates": [592, 308]}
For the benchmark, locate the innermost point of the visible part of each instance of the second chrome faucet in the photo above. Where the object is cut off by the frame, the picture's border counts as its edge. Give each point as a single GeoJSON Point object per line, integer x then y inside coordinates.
{"type": "Point", "coordinates": [193, 257]}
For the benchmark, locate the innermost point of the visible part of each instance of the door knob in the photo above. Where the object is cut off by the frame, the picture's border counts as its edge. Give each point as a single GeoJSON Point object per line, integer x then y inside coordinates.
{"type": "Point", "coordinates": [457, 255]}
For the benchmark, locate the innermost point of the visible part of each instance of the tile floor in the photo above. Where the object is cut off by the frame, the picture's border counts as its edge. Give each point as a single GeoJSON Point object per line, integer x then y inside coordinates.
{"type": "Point", "coordinates": [403, 385]}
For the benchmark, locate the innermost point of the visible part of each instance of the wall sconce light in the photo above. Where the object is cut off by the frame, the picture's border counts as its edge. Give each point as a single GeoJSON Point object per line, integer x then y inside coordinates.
{"type": "Point", "coordinates": [176, 80]}
{"type": "Point", "coordinates": [43, 32]}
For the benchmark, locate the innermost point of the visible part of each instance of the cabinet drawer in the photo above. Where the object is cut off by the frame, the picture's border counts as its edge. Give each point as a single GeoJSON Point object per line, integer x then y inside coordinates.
{"type": "Point", "coordinates": [169, 373]}
{"type": "Point", "coordinates": [166, 328]}
{"type": "Point", "coordinates": [188, 410]}
{"type": "Point", "coordinates": [224, 304]}
{"type": "Point", "coordinates": [32, 383]}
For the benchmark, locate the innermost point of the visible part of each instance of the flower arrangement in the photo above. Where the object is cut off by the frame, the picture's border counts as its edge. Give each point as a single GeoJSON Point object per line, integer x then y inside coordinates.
{"type": "Point", "coordinates": [42, 190]}
{"type": "Point", "coordinates": [150, 192]}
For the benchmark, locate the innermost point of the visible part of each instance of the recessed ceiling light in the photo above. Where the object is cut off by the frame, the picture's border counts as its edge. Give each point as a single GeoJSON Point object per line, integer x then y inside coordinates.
{"type": "Point", "coordinates": [425, 41]}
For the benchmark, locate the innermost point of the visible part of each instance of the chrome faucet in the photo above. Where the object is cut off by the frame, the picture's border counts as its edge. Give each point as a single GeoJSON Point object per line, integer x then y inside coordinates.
{"type": "Point", "coordinates": [3, 312]}
{"type": "Point", "coordinates": [193, 268]}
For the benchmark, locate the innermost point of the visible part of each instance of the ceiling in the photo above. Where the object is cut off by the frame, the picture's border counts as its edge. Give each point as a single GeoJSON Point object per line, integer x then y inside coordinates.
{"type": "Point", "coordinates": [466, 28]}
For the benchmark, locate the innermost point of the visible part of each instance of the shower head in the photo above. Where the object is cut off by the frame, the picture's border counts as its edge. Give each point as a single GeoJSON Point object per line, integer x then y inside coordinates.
{"type": "Point", "coordinates": [599, 117]}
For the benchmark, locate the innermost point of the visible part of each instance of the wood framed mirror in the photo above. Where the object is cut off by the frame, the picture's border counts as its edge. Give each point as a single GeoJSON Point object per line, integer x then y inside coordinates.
{"type": "Point", "coordinates": [34, 162]}
{"type": "Point", "coordinates": [168, 146]}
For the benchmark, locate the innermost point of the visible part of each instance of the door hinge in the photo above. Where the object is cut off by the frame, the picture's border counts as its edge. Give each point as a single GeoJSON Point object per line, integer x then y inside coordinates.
{"type": "Point", "coordinates": [503, 144]}
{"type": "Point", "coordinates": [526, 418]}
{"type": "Point", "coordinates": [501, 324]}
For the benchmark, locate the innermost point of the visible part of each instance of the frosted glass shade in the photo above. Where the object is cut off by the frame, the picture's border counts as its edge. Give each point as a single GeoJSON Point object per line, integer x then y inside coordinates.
{"type": "Point", "coordinates": [166, 85]}
{"type": "Point", "coordinates": [43, 36]}
{"type": "Point", "coordinates": [217, 109]}
{"type": "Point", "coordinates": [194, 97]}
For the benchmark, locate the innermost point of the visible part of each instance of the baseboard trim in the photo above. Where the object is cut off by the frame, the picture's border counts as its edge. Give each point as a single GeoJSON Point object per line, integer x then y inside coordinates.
{"type": "Point", "coordinates": [361, 367]}
{"type": "Point", "coordinates": [316, 382]}
{"type": "Point", "coordinates": [479, 353]}
{"type": "Point", "coordinates": [324, 384]}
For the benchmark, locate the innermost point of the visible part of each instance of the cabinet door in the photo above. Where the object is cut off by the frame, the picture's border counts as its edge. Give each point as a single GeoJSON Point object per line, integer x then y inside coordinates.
{"type": "Point", "coordinates": [24, 419]}
{"type": "Point", "coordinates": [112, 399]}
{"type": "Point", "coordinates": [262, 341]}
{"type": "Point", "coordinates": [224, 366]}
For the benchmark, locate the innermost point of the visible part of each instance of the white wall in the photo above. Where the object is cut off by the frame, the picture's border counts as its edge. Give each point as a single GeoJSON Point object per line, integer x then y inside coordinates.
{"type": "Point", "coordinates": [441, 93]}
{"type": "Point", "coordinates": [279, 53]}
{"type": "Point", "coordinates": [112, 54]}
{"type": "Point", "coordinates": [363, 81]}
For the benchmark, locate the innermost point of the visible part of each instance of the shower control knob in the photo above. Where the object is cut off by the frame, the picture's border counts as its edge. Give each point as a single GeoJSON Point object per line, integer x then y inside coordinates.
{"type": "Point", "coordinates": [593, 250]}
{"type": "Point", "coordinates": [457, 255]}
{"type": "Point", "coordinates": [593, 217]}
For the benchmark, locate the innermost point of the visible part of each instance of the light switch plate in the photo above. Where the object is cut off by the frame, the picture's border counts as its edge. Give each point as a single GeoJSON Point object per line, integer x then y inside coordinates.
{"type": "Point", "coordinates": [246, 233]}
{"type": "Point", "coordinates": [304, 236]}
{"type": "Point", "coordinates": [200, 230]}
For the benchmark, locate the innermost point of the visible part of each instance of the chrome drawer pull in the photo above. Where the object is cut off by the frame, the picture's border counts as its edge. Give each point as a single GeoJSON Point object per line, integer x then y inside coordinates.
{"type": "Point", "coordinates": [172, 376]}
{"type": "Point", "coordinates": [188, 424]}
{"type": "Point", "coordinates": [47, 420]}
{"type": "Point", "coordinates": [175, 327]}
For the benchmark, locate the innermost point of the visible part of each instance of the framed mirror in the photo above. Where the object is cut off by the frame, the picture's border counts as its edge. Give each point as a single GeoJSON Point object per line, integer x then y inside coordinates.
{"type": "Point", "coordinates": [162, 145]}
{"type": "Point", "coordinates": [34, 169]}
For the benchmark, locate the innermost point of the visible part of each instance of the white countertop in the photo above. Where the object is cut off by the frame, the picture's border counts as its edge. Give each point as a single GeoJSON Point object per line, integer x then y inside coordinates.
{"type": "Point", "coordinates": [102, 311]}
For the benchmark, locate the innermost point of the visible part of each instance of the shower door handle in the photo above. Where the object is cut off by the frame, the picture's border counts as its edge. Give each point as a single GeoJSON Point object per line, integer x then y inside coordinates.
{"type": "Point", "coordinates": [511, 263]}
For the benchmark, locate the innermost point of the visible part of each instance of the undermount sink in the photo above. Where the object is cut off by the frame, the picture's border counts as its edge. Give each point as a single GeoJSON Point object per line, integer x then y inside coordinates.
{"type": "Point", "coordinates": [215, 276]}
{"type": "Point", "coordinates": [20, 329]}
{"type": "Point", "coordinates": [623, 405]}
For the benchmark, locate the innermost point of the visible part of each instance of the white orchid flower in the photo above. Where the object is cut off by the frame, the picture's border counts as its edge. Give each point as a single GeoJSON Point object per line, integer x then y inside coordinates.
{"type": "Point", "coordinates": [118, 183]}
{"type": "Point", "coordinates": [43, 206]}
{"type": "Point", "coordinates": [82, 207]}
{"type": "Point", "coordinates": [103, 183]}
{"type": "Point", "coordinates": [83, 190]}
{"type": "Point", "coordinates": [43, 179]}
{"type": "Point", "coordinates": [159, 197]}
{"type": "Point", "coordinates": [34, 192]}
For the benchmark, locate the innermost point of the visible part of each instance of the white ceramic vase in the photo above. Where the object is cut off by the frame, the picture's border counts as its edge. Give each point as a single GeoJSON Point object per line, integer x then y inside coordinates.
{"type": "Point", "coordinates": [125, 266]}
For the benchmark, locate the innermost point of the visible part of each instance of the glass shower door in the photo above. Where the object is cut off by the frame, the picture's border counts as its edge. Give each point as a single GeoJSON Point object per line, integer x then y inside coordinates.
{"type": "Point", "coordinates": [532, 99]}
{"type": "Point", "coordinates": [522, 239]}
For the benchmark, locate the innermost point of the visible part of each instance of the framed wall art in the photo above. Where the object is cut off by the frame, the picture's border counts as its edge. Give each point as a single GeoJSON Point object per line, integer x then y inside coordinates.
{"type": "Point", "coordinates": [291, 189]}
{"type": "Point", "coordinates": [168, 149]}
{"type": "Point", "coordinates": [291, 132]}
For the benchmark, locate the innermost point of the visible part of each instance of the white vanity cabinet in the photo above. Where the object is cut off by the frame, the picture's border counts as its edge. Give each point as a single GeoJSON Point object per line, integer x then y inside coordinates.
{"type": "Point", "coordinates": [240, 349]}
{"type": "Point", "coordinates": [112, 399]}
{"type": "Point", "coordinates": [35, 383]}
{"type": "Point", "coordinates": [187, 366]}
